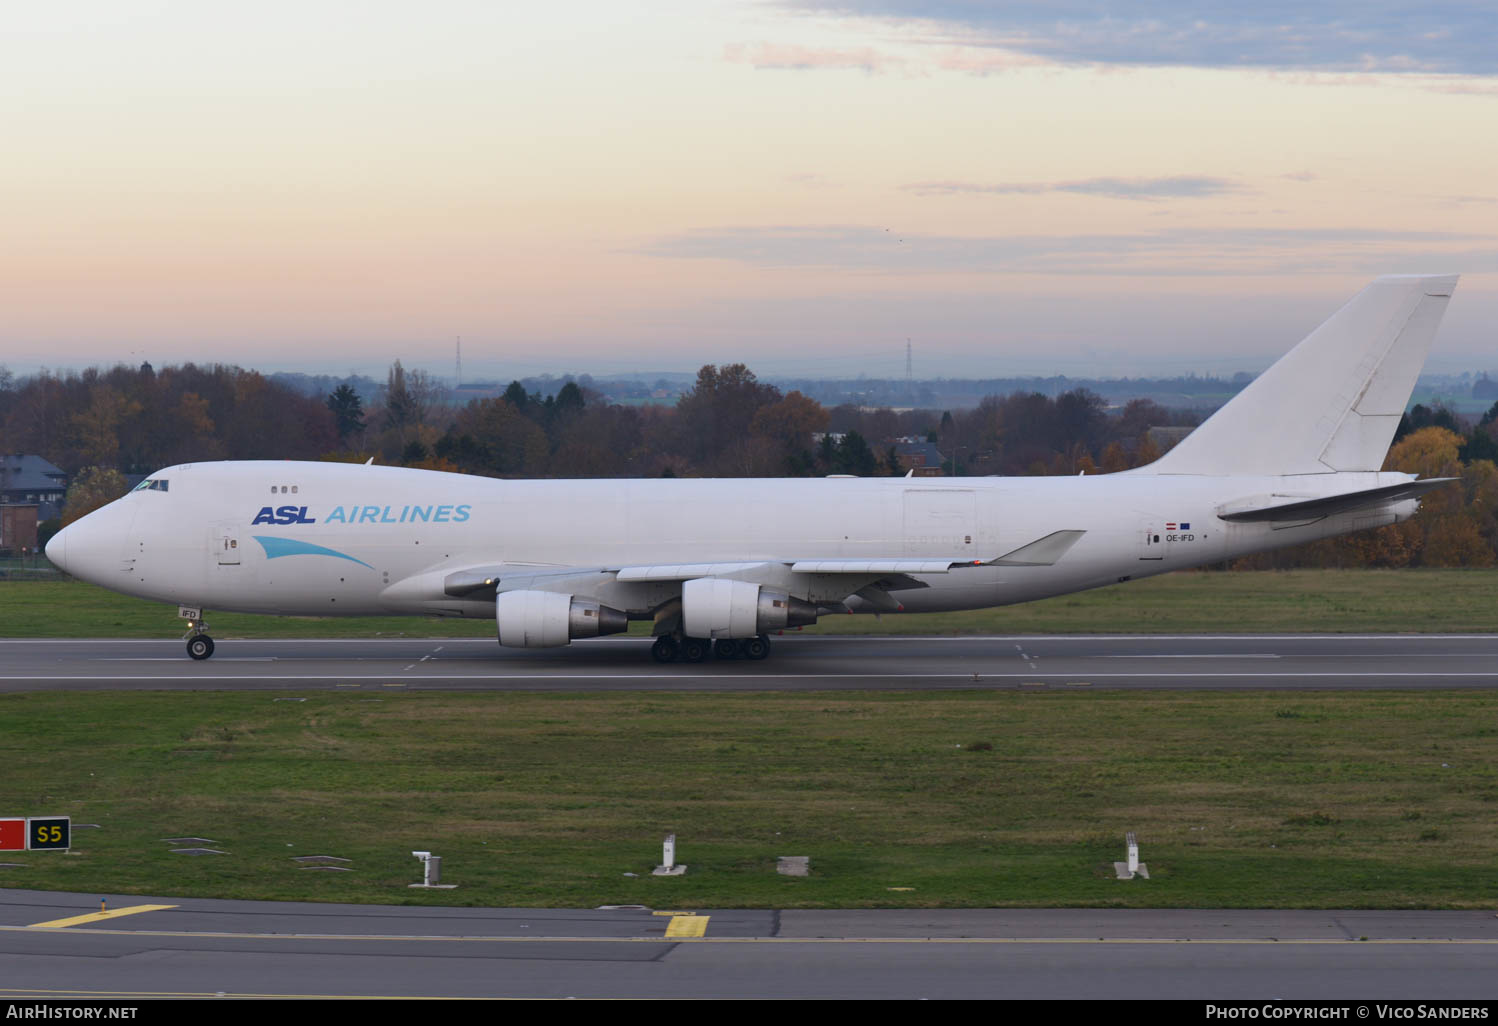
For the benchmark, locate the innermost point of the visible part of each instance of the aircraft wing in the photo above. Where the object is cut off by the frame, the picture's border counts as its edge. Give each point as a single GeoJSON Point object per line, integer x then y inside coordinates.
{"type": "Point", "coordinates": [888, 573]}
{"type": "Point", "coordinates": [1311, 509]}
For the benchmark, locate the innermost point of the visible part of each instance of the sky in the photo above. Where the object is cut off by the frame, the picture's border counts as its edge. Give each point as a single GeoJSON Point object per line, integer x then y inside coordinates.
{"type": "Point", "coordinates": [1089, 188]}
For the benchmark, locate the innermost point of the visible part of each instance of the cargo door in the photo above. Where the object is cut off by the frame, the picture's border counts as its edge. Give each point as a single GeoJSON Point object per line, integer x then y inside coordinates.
{"type": "Point", "coordinates": [940, 522]}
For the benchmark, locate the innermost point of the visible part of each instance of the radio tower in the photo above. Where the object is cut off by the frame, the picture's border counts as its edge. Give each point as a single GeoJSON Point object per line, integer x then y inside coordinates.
{"type": "Point", "coordinates": [909, 377]}
{"type": "Point", "coordinates": [460, 361]}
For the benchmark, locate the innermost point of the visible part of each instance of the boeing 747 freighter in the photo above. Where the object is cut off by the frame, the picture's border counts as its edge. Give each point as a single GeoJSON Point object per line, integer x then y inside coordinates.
{"type": "Point", "coordinates": [718, 565]}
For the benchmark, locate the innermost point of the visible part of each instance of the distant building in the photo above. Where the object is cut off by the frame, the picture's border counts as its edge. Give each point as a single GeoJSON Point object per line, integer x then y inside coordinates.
{"type": "Point", "coordinates": [31, 491]}
{"type": "Point", "coordinates": [922, 459]}
{"type": "Point", "coordinates": [18, 528]}
{"type": "Point", "coordinates": [28, 479]}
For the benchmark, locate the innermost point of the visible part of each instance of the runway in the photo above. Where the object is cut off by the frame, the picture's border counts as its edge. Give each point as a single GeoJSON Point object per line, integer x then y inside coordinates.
{"type": "Point", "coordinates": [206, 948]}
{"type": "Point", "coordinates": [797, 662]}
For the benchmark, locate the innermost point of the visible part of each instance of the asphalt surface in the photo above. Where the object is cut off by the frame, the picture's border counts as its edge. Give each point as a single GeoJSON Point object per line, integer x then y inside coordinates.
{"type": "Point", "coordinates": [802, 662]}
{"type": "Point", "coordinates": [204, 948]}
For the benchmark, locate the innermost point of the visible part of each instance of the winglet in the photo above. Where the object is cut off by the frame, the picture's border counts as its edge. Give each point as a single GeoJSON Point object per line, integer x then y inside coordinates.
{"type": "Point", "coordinates": [1041, 552]}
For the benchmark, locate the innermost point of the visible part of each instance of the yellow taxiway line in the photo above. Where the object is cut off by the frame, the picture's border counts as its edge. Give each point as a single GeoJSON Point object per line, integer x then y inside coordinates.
{"type": "Point", "coordinates": [94, 917]}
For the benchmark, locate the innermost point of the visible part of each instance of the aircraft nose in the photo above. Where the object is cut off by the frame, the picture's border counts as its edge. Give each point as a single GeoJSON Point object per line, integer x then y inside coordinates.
{"type": "Point", "coordinates": [57, 549]}
{"type": "Point", "coordinates": [90, 548]}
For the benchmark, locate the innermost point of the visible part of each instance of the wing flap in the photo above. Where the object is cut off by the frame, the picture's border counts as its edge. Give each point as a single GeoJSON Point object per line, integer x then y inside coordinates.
{"type": "Point", "coordinates": [683, 571]}
{"type": "Point", "coordinates": [879, 566]}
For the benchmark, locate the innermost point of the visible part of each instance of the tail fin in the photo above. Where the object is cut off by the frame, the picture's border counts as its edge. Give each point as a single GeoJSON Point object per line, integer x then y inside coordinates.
{"type": "Point", "coordinates": [1333, 402]}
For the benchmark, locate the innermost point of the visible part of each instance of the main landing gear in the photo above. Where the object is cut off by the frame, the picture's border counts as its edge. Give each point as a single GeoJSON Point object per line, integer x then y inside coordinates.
{"type": "Point", "coordinates": [671, 649]}
{"type": "Point", "coordinates": [199, 644]}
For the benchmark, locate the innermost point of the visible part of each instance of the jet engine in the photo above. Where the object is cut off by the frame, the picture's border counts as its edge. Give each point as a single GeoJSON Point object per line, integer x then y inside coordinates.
{"type": "Point", "coordinates": [544, 619]}
{"type": "Point", "coordinates": [712, 607]}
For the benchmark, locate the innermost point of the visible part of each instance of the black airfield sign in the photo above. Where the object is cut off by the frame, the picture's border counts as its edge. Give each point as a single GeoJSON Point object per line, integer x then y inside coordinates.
{"type": "Point", "coordinates": [53, 832]}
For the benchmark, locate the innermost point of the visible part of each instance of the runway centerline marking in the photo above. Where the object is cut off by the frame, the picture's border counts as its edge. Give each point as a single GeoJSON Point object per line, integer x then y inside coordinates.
{"type": "Point", "coordinates": [94, 917]}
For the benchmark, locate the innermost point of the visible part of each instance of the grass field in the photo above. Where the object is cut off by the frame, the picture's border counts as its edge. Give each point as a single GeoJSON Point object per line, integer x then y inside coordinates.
{"type": "Point", "coordinates": [1310, 800]}
{"type": "Point", "coordinates": [968, 798]}
{"type": "Point", "coordinates": [1297, 600]}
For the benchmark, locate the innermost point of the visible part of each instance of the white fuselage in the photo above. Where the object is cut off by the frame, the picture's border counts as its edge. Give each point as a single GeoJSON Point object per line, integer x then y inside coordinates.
{"type": "Point", "coordinates": [340, 539]}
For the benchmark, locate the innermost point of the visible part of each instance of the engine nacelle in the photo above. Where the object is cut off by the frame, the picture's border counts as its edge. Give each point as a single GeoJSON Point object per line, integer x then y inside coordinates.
{"type": "Point", "coordinates": [545, 619]}
{"type": "Point", "coordinates": [712, 607]}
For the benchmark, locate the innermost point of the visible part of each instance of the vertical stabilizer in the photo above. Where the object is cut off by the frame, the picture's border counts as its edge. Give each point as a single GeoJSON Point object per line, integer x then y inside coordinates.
{"type": "Point", "coordinates": [1333, 402]}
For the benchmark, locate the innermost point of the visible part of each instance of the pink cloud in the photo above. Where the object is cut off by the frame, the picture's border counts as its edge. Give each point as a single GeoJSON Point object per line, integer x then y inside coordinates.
{"type": "Point", "coordinates": [787, 57]}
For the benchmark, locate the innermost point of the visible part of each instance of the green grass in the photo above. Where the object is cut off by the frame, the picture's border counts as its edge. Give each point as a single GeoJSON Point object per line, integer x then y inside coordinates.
{"type": "Point", "coordinates": [1239, 800]}
{"type": "Point", "coordinates": [1255, 799]}
{"type": "Point", "coordinates": [1454, 601]}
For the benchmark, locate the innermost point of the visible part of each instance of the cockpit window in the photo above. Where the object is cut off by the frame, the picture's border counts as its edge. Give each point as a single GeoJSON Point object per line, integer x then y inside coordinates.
{"type": "Point", "coordinates": [152, 485]}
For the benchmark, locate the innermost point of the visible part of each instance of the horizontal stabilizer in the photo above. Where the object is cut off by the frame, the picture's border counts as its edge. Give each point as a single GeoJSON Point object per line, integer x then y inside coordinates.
{"type": "Point", "coordinates": [1043, 551]}
{"type": "Point", "coordinates": [1310, 509]}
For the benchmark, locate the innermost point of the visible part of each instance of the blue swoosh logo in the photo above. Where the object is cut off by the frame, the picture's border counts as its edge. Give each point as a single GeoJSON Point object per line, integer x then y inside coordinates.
{"type": "Point", "coordinates": [276, 547]}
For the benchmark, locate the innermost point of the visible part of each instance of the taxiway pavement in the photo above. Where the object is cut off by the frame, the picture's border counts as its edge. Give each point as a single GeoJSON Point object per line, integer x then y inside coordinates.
{"type": "Point", "coordinates": [206, 948]}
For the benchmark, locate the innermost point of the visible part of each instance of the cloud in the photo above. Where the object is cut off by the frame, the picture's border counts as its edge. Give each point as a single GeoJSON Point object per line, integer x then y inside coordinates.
{"type": "Point", "coordinates": [1446, 36]}
{"type": "Point", "coordinates": [1176, 187]}
{"type": "Point", "coordinates": [1178, 251]}
{"type": "Point", "coordinates": [785, 57]}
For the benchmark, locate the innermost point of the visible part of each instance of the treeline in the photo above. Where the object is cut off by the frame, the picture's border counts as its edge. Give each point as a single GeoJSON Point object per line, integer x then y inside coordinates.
{"type": "Point", "coordinates": [729, 424]}
{"type": "Point", "coordinates": [137, 419]}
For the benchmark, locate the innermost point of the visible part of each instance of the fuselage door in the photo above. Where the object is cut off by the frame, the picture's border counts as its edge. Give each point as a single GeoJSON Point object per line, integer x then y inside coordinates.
{"type": "Point", "coordinates": [226, 544]}
{"type": "Point", "coordinates": [1151, 540]}
{"type": "Point", "coordinates": [940, 521]}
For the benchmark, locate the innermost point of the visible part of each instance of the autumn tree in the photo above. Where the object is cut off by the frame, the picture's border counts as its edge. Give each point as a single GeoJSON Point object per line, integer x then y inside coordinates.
{"type": "Point", "coordinates": [714, 418]}
{"type": "Point", "coordinates": [788, 426]}
{"type": "Point", "coordinates": [491, 437]}
{"type": "Point", "coordinates": [92, 488]}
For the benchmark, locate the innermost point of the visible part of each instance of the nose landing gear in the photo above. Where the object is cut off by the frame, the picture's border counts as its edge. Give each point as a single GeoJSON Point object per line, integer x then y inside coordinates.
{"type": "Point", "coordinates": [199, 644]}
